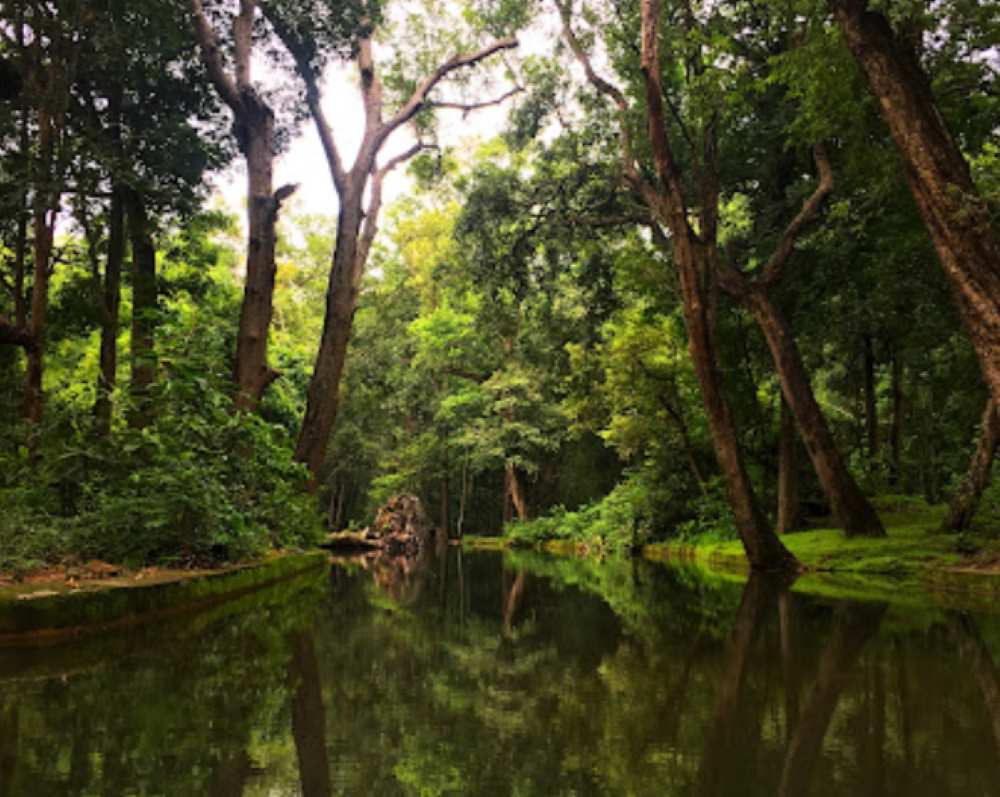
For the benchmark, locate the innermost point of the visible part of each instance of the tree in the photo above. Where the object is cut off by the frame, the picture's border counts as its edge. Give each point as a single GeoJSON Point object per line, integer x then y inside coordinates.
{"type": "Point", "coordinates": [254, 129]}
{"type": "Point", "coordinates": [357, 221]}
{"type": "Point", "coordinates": [938, 174]}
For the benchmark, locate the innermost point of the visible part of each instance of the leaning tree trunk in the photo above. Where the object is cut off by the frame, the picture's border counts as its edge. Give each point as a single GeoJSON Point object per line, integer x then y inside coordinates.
{"type": "Point", "coordinates": [699, 296]}
{"type": "Point", "coordinates": [514, 492]}
{"type": "Point", "coordinates": [789, 509]}
{"type": "Point", "coordinates": [144, 310]}
{"type": "Point", "coordinates": [952, 209]}
{"type": "Point", "coordinates": [252, 373]}
{"type": "Point", "coordinates": [965, 502]}
{"type": "Point", "coordinates": [852, 508]}
{"type": "Point", "coordinates": [110, 300]}
{"type": "Point", "coordinates": [342, 298]}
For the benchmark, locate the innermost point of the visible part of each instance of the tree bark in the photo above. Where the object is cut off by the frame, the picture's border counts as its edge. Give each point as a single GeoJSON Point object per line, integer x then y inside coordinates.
{"type": "Point", "coordinates": [254, 129]}
{"type": "Point", "coordinates": [252, 373]}
{"type": "Point", "coordinates": [700, 296]}
{"type": "Point", "coordinates": [514, 492]}
{"type": "Point", "coordinates": [342, 297]}
{"type": "Point", "coordinates": [896, 429]}
{"type": "Point", "coordinates": [110, 301]}
{"type": "Point", "coordinates": [789, 509]}
{"type": "Point", "coordinates": [144, 309]}
{"type": "Point", "coordinates": [951, 206]}
{"type": "Point", "coordinates": [852, 508]}
{"type": "Point", "coordinates": [871, 403]}
{"type": "Point", "coordinates": [45, 210]}
{"type": "Point", "coordinates": [965, 502]}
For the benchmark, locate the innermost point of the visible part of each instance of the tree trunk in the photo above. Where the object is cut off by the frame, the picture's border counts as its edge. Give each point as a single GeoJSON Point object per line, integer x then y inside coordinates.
{"type": "Point", "coordinates": [45, 210]}
{"type": "Point", "coordinates": [444, 521]}
{"type": "Point", "coordinates": [463, 498]}
{"type": "Point", "coordinates": [252, 373]}
{"type": "Point", "coordinates": [514, 492]}
{"type": "Point", "coordinates": [341, 302]}
{"type": "Point", "coordinates": [144, 310]}
{"type": "Point", "coordinates": [699, 299]}
{"type": "Point", "coordinates": [896, 430]}
{"type": "Point", "coordinates": [856, 515]}
{"type": "Point", "coordinates": [789, 509]}
{"type": "Point", "coordinates": [938, 175]}
{"type": "Point", "coordinates": [965, 502]}
{"type": "Point", "coordinates": [110, 301]}
{"type": "Point", "coordinates": [871, 404]}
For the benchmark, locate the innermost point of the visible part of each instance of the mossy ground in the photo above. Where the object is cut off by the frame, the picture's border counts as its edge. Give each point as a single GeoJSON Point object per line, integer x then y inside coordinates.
{"type": "Point", "coordinates": [913, 559]}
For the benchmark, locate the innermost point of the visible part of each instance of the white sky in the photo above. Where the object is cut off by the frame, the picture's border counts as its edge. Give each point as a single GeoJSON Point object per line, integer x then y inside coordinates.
{"type": "Point", "coordinates": [304, 162]}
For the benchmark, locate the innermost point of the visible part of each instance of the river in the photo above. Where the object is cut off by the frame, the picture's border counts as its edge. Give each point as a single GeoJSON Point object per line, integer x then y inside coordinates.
{"type": "Point", "coordinates": [485, 674]}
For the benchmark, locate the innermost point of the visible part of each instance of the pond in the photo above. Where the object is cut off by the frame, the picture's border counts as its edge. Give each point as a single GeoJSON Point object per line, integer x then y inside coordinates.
{"type": "Point", "coordinates": [486, 674]}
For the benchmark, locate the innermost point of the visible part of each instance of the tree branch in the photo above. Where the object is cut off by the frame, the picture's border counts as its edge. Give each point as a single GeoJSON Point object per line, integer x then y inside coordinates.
{"type": "Point", "coordinates": [467, 108]}
{"type": "Point", "coordinates": [418, 99]}
{"type": "Point", "coordinates": [208, 44]}
{"type": "Point", "coordinates": [297, 49]}
{"type": "Point", "coordinates": [774, 268]}
{"type": "Point", "coordinates": [15, 335]}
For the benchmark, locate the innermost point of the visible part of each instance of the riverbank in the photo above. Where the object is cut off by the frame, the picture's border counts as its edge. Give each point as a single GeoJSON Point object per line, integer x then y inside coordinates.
{"type": "Point", "coordinates": [54, 605]}
{"type": "Point", "coordinates": [914, 556]}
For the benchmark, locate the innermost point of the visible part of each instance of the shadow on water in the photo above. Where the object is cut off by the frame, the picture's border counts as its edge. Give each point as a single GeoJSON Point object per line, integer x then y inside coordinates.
{"type": "Point", "coordinates": [486, 674]}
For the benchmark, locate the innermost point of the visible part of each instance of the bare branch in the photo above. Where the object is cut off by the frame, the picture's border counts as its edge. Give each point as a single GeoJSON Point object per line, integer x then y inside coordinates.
{"type": "Point", "coordinates": [418, 99]}
{"type": "Point", "coordinates": [297, 50]}
{"type": "Point", "coordinates": [208, 44]}
{"type": "Point", "coordinates": [467, 108]}
{"type": "Point", "coordinates": [774, 268]}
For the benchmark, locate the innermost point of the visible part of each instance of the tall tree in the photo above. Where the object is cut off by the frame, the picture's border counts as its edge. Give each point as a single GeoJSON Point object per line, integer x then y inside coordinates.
{"type": "Point", "coordinates": [254, 128]}
{"type": "Point", "coordinates": [357, 220]}
{"type": "Point", "coordinates": [938, 174]}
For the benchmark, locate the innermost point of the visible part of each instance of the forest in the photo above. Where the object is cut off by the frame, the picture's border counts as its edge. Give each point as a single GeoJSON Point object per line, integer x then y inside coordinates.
{"type": "Point", "coordinates": [722, 271]}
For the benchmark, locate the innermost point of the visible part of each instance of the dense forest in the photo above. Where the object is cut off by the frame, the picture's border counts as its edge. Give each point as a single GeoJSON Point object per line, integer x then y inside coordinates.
{"type": "Point", "coordinates": [725, 270]}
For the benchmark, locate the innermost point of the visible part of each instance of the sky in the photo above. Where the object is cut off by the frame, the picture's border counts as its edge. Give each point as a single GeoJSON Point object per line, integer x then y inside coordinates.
{"type": "Point", "coordinates": [304, 162]}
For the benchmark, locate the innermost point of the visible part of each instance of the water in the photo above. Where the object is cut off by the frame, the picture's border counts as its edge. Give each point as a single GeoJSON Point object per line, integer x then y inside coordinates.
{"type": "Point", "coordinates": [479, 675]}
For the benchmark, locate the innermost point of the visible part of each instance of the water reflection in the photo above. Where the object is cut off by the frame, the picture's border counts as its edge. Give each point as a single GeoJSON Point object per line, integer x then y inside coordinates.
{"type": "Point", "coordinates": [478, 674]}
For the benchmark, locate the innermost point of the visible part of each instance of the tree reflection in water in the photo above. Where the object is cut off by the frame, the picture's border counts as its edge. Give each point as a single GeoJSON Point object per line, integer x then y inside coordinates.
{"type": "Point", "coordinates": [473, 674]}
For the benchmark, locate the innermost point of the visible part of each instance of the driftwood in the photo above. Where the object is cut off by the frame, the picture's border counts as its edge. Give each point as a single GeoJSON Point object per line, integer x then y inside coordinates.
{"type": "Point", "coordinates": [400, 529]}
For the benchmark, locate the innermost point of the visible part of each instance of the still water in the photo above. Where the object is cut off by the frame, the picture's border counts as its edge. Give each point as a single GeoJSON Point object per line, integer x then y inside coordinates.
{"type": "Point", "coordinates": [480, 674]}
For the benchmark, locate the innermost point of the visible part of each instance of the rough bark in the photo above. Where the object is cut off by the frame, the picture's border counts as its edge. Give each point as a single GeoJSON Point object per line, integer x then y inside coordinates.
{"type": "Point", "coordinates": [789, 508]}
{"type": "Point", "coordinates": [110, 301]}
{"type": "Point", "coordinates": [855, 513]}
{"type": "Point", "coordinates": [144, 309]}
{"type": "Point", "coordinates": [252, 373]}
{"type": "Point", "coordinates": [951, 206]}
{"type": "Point", "coordinates": [965, 502]}
{"type": "Point", "coordinates": [254, 130]}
